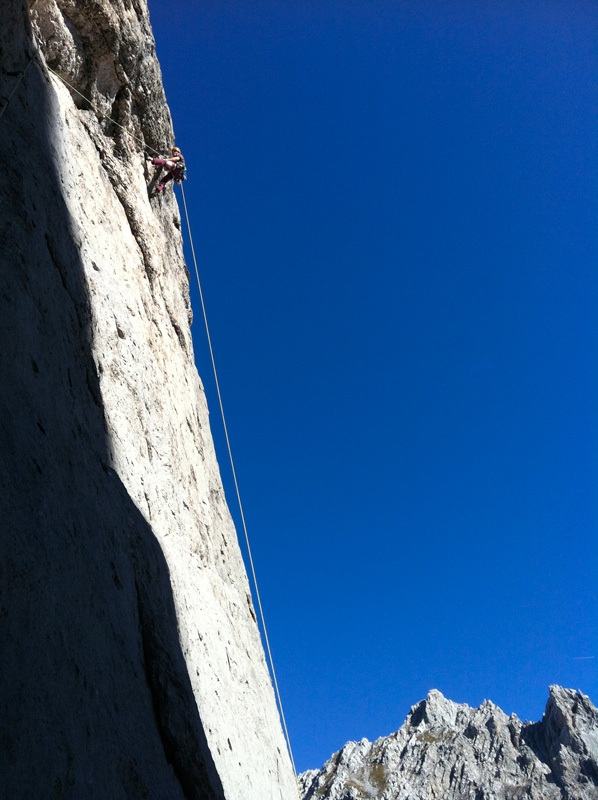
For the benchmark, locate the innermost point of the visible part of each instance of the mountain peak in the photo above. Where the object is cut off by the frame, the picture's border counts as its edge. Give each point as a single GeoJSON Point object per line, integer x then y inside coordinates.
{"type": "Point", "coordinates": [452, 751]}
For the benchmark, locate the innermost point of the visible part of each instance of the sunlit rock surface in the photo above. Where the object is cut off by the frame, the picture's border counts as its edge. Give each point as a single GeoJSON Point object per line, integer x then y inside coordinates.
{"type": "Point", "coordinates": [131, 664]}
{"type": "Point", "coordinates": [446, 751]}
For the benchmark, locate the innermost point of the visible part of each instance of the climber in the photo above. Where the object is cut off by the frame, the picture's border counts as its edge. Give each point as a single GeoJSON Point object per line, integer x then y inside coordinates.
{"type": "Point", "coordinates": [174, 167]}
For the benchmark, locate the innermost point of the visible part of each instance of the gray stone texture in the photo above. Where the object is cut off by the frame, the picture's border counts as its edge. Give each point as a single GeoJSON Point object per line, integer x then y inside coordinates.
{"type": "Point", "coordinates": [130, 660]}
{"type": "Point", "coordinates": [447, 751]}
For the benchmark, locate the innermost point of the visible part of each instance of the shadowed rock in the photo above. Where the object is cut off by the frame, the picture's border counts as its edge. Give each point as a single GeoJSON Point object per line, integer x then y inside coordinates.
{"type": "Point", "coordinates": [130, 660]}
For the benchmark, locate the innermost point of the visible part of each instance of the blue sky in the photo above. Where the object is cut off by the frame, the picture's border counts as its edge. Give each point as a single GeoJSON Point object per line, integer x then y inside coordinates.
{"type": "Point", "coordinates": [395, 211]}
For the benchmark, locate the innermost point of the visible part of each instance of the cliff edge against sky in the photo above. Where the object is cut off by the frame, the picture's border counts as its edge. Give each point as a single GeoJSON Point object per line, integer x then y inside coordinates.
{"type": "Point", "coordinates": [131, 661]}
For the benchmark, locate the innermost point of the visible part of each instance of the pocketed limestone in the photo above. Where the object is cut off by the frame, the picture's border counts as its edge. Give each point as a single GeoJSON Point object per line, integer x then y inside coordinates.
{"type": "Point", "coordinates": [131, 661]}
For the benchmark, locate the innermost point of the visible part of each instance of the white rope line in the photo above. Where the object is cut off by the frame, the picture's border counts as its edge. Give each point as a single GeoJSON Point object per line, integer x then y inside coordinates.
{"type": "Point", "coordinates": [239, 502]}
{"type": "Point", "coordinates": [224, 425]}
{"type": "Point", "coordinates": [87, 100]}
{"type": "Point", "coordinates": [18, 83]}
{"type": "Point", "coordinates": [101, 114]}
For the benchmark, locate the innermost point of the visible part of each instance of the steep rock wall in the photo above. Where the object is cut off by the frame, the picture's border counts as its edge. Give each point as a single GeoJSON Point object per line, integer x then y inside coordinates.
{"type": "Point", "coordinates": [131, 662]}
{"type": "Point", "coordinates": [449, 751]}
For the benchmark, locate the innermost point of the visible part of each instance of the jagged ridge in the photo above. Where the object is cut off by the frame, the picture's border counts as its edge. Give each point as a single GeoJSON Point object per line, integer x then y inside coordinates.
{"type": "Point", "coordinates": [455, 752]}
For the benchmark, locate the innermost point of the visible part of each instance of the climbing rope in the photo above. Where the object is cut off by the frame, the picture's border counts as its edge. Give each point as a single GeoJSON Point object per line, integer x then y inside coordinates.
{"type": "Point", "coordinates": [237, 491]}
{"type": "Point", "coordinates": [18, 83]}
{"type": "Point", "coordinates": [101, 114]}
{"type": "Point", "coordinates": [220, 403]}
{"type": "Point", "coordinates": [87, 100]}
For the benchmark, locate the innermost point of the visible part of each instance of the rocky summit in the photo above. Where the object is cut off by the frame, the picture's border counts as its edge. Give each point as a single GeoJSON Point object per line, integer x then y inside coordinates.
{"type": "Point", "coordinates": [450, 751]}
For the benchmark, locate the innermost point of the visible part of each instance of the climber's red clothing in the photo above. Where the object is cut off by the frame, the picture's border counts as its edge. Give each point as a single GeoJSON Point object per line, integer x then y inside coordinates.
{"type": "Point", "coordinates": [174, 169]}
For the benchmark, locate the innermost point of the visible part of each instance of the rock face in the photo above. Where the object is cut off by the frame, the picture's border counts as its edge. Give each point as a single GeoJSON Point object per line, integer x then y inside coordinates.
{"type": "Point", "coordinates": [131, 664]}
{"type": "Point", "coordinates": [454, 752]}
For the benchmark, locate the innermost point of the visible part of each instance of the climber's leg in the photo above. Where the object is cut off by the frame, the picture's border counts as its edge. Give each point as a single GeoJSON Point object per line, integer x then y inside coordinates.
{"type": "Point", "coordinates": [165, 179]}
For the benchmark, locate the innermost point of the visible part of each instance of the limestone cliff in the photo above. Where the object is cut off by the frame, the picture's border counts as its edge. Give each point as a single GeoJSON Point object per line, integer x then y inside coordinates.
{"type": "Point", "coordinates": [446, 751]}
{"type": "Point", "coordinates": [131, 664]}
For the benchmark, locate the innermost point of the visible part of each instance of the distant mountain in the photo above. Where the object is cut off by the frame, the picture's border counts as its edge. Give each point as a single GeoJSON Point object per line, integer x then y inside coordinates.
{"type": "Point", "coordinates": [448, 751]}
